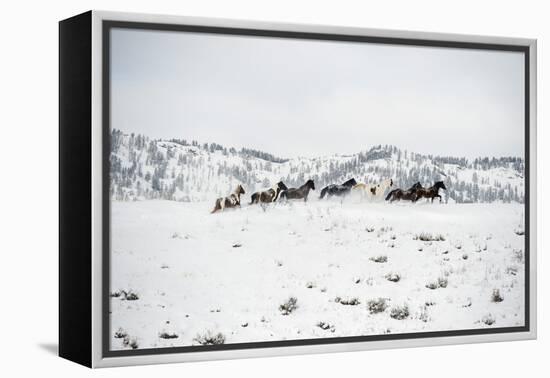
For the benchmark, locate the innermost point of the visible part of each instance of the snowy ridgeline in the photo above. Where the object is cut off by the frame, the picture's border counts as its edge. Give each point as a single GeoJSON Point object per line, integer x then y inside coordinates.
{"type": "Point", "coordinates": [142, 168]}
{"type": "Point", "coordinates": [181, 276]}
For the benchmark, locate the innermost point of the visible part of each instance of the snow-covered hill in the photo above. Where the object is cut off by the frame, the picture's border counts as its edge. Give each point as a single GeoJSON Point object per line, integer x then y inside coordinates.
{"type": "Point", "coordinates": [143, 168]}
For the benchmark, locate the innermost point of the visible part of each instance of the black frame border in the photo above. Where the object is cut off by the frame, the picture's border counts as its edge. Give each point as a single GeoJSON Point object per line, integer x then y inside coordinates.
{"type": "Point", "coordinates": [108, 25]}
{"type": "Point", "coordinates": [75, 189]}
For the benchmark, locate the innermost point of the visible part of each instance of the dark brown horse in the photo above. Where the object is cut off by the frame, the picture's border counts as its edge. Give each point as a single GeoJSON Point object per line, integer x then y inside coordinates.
{"type": "Point", "coordinates": [269, 195]}
{"type": "Point", "coordinates": [233, 200]}
{"type": "Point", "coordinates": [338, 190]}
{"type": "Point", "coordinates": [298, 193]}
{"type": "Point", "coordinates": [400, 194]}
{"type": "Point", "coordinates": [431, 192]}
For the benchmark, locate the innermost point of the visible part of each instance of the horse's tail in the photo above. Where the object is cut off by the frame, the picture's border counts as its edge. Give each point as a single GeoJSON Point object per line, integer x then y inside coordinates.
{"type": "Point", "coordinates": [216, 207]}
{"type": "Point", "coordinates": [323, 192]}
{"type": "Point", "coordinates": [253, 199]}
{"type": "Point", "coordinates": [390, 194]}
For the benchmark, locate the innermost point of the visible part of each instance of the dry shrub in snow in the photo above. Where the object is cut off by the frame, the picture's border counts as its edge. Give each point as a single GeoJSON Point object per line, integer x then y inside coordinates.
{"type": "Point", "coordinates": [423, 314]}
{"type": "Point", "coordinates": [120, 334]}
{"type": "Point", "coordinates": [379, 259]}
{"type": "Point", "coordinates": [210, 338]}
{"type": "Point", "coordinates": [347, 302]}
{"type": "Point", "coordinates": [512, 270]}
{"type": "Point", "coordinates": [166, 335]}
{"type": "Point", "coordinates": [393, 277]}
{"type": "Point", "coordinates": [518, 255]}
{"type": "Point", "coordinates": [488, 319]}
{"type": "Point", "coordinates": [496, 297]}
{"type": "Point", "coordinates": [400, 312]}
{"type": "Point", "coordinates": [519, 231]}
{"type": "Point", "coordinates": [125, 295]}
{"type": "Point", "coordinates": [176, 235]}
{"type": "Point", "coordinates": [425, 236]}
{"type": "Point", "coordinates": [441, 282]}
{"type": "Point", "coordinates": [289, 306]}
{"type": "Point", "coordinates": [128, 342]}
{"type": "Point", "coordinates": [325, 326]}
{"type": "Point", "coordinates": [432, 285]}
{"type": "Point", "coordinates": [480, 247]}
{"type": "Point", "coordinates": [377, 305]}
{"type": "Point", "coordinates": [310, 285]}
{"type": "Point", "coordinates": [130, 295]}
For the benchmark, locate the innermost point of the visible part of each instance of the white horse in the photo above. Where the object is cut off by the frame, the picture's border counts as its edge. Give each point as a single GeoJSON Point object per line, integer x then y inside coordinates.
{"type": "Point", "coordinates": [373, 192]}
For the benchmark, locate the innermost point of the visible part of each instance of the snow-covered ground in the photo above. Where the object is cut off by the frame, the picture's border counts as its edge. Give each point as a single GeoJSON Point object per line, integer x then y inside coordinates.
{"type": "Point", "coordinates": [196, 273]}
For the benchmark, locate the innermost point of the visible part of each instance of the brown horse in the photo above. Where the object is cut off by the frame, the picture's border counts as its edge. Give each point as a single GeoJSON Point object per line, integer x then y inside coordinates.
{"type": "Point", "coordinates": [233, 200]}
{"type": "Point", "coordinates": [431, 192]}
{"type": "Point", "coordinates": [269, 195]}
{"type": "Point", "coordinates": [400, 194]}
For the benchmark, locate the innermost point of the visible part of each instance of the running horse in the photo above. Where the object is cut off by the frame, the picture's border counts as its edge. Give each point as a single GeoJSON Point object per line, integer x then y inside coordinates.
{"type": "Point", "coordinates": [373, 191]}
{"type": "Point", "coordinates": [431, 192]}
{"type": "Point", "coordinates": [233, 200]}
{"type": "Point", "coordinates": [338, 190]}
{"type": "Point", "coordinates": [400, 194]}
{"type": "Point", "coordinates": [298, 193]}
{"type": "Point", "coordinates": [269, 195]}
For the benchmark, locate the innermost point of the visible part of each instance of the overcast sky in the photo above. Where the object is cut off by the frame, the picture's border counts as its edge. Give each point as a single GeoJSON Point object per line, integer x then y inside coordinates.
{"type": "Point", "coordinates": [310, 98]}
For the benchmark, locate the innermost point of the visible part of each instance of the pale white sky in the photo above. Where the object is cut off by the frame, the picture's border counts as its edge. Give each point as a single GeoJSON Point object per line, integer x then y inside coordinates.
{"type": "Point", "coordinates": [308, 98]}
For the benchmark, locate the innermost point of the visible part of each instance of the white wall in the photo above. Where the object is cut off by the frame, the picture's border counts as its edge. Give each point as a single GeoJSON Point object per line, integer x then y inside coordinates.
{"type": "Point", "coordinates": [28, 186]}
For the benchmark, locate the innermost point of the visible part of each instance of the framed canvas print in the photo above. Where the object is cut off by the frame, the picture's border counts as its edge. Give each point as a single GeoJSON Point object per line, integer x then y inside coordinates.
{"type": "Point", "coordinates": [237, 189]}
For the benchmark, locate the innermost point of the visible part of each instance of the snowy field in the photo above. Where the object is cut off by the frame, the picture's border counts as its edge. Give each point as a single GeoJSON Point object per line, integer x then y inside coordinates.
{"type": "Point", "coordinates": [181, 276]}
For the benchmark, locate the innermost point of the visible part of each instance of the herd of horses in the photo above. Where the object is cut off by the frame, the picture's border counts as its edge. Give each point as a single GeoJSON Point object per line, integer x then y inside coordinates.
{"type": "Point", "coordinates": [280, 192]}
